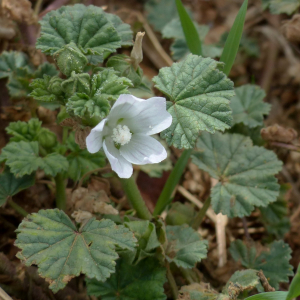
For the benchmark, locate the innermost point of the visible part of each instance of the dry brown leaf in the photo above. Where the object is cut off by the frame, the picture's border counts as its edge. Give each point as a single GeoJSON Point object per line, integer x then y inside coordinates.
{"type": "Point", "coordinates": [81, 216]}
{"type": "Point", "coordinates": [277, 133]}
{"type": "Point", "coordinates": [7, 29]}
{"type": "Point", "coordinates": [92, 201]}
{"type": "Point", "coordinates": [19, 10]}
{"type": "Point", "coordinates": [80, 136]}
{"type": "Point", "coordinates": [291, 29]}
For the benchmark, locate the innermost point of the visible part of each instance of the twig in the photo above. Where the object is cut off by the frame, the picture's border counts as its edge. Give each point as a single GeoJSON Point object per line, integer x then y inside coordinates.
{"type": "Point", "coordinates": [286, 146]}
{"type": "Point", "coordinates": [4, 296]}
{"type": "Point", "coordinates": [221, 238]}
{"type": "Point", "coordinates": [54, 5]}
{"type": "Point", "coordinates": [210, 213]}
{"type": "Point", "coordinates": [92, 172]}
{"type": "Point", "coordinates": [246, 229]}
{"type": "Point", "coordinates": [265, 282]}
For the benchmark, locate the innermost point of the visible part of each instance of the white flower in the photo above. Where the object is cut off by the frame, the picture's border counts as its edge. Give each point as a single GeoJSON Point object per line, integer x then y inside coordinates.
{"type": "Point", "coordinates": [125, 133]}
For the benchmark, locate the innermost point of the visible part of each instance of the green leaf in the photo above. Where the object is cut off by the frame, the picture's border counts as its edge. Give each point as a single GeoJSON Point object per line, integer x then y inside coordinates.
{"type": "Point", "coordinates": [50, 240]}
{"type": "Point", "coordinates": [19, 82]}
{"type": "Point", "coordinates": [23, 158]}
{"type": "Point", "coordinates": [199, 291]}
{"type": "Point", "coordinates": [81, 161]}
{"type": "Point", "coordinates": [70, 59]}
{"type": "Point", "coordinates": [10, 185]}
{"type": "Point", "coordinates": [274, 216]}
{"type": "Point", "coordinates": [79, 83]}
{"type": "Point", "coordinates": [233, 41]}
{"type": "Point", "coordinates": [185, 247]}
{"type": "Point", "coordinates": [47, 89]}
{"type": "Point", "coordinates": [248, 106]}
{"type": "Point", "coordinates": [269, 296]}
{"type": "Point", "coordinates": [106, 86]}
{"type": "Point", "coordinates": [180, 214]}
{"type": "Point", "coordinates": [281, 6]}
{"type": "Point", "coordinates": [160, 12]}
{"type": "Point", "coordinates": [198, 99]}
{"type": "Point", "coordinates": [24, 131]}
{"type": "Point", "coordinates": [189, 29]}
{"type": "Point", "coordinates": [145, 233]}
{"type": "Point", "coordinates": [132, 282]}
{"type": "Point", "coordinates": [123, 29]}
{"type": "Point", "coordinates": [252, 133]}
{"type": "Point", "coordinates": [32, 131]}
{"type": "Point", "coordinates": [274, 263]}
{"type": "Point", "coordinates": [294, 290]}
{"type": "Point", "coordinates": [122, 64]}
{"type": "Point", "coordinates": [11, 61]}
{"type": "Point", "coordinates": [93, 31]}
{"type": "Point", "coordinates": [245, 173]}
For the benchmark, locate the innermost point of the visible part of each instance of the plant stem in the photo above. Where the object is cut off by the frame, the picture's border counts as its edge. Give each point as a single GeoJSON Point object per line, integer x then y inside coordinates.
{"type": "Point", "coordinates": [172, 282]}
{"type": "Point", "coordinates": [17, 208]}
{"type": "Point", "coordinates": [65, 135]}
{"type": "Point", "coordinates": [37, 7]}
{"type": "Point", "coordinates": [164, 198]}
{"type": "Point", "coordinates": [3, 295]}
{"type": "Point", "coordinates": [60, 191]}
{"type": "Point", "coordinates": [201, 214]}
{"type": "Point", "coordinates": [135, 198]}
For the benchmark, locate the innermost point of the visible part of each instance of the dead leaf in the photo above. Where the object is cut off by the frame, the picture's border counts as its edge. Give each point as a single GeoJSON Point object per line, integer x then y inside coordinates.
{"type": "Point", "coordinates": [291, 29]}
{"type": "Point", "coordinates": [19, 10]}
{"type": "Point", "coordinates": [7, 29]}
{"type": "Point", "coordinates": [84, 199]}
{"type": "Point", "coordinates": [80, 136]}
{"type": "Point", "coordinates": [277, 133]}
{"type": "Point", "coordinates": [81, 216]}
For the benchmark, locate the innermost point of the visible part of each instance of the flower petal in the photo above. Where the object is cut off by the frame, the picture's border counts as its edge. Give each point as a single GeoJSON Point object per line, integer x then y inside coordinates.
{"type": "Point", "coordinates": [94, 139]}
{"type": "Point", "coordinates": [143, 149]}
{"type": "Point", "coordinates": [152, 117]}
{"type": "Point", "coordinates": [127, 106]}
{"type": "Point", "coordinates": [118, 163]}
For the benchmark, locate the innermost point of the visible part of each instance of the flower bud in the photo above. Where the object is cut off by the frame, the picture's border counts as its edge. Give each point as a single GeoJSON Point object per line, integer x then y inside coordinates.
{"type": "Point", "coordinates": [55, 85]}
{"type": "Point", "coordinates": [47, 138]}
{"type": "Point", "coordinates": [137, 51]}
{"type": "Point", "coordinates": [70, 58]}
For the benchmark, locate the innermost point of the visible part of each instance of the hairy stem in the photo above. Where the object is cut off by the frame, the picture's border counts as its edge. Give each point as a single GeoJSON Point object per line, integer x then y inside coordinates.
{"type": "Point", "coordinates": [135, 198]}
{"type": "Point", "coordinates": [60, 191]}
{"type": "Point", "coordinates": [172, 282]}
{"type": "Point", "coordinates": [17, 208]}
{"type": "Point", "coordinates": [164, 198]}
{"type": "Point", "coordinates": [201, 214]}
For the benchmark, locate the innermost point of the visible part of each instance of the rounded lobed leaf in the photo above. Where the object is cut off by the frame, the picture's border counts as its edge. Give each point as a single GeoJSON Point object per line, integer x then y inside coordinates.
{"type": "Point", "coordinates": [185, 247]}
{"type": "Point", "coordinates": [248, 106]}
{"type": "Point", "coordinates": [245, 172]}
{"type": "Point", "coordinates": [198, 95]}
{"type": "Point", "coordinates": [50, 240]}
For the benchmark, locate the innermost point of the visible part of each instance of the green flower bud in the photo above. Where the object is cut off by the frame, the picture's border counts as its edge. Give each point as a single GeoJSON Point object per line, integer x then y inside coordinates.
{"type": "Point", "coordinates": [55, 86]}
{"type": "Point", "coordinates": [70, 58]}
{"type": "Point", "coordinates": [47, 139]}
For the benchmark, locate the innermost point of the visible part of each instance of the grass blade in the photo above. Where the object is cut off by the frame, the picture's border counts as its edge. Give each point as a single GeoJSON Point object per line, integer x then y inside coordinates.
{"type": "Point", "coordinates": [294, 290]}
{"type": "Point", "coordinates": [233, 41]}
{"type": "Point", "coordinates": [189, 29]}
{"type": "Point", "coordinates": [269, 296]}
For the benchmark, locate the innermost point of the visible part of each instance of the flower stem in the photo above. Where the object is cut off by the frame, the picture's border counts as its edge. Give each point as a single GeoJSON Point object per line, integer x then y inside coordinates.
{"type": "Point", "coordinates": [60, 191]}
{"type": "Point", "coordinates": [201, 214]}
{"type": "Point", "coordinates": [135, 198]}
{"type": "Point", "coordinates": [17, 208]}
{"type": "Point", "coordinates": [172, 282]}
{"type": "Point", "coordinates": [164, 198]}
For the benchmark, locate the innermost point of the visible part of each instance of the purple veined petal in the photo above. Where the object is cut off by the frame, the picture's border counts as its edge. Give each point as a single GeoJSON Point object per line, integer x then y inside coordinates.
{"type": "Point", "coordinates": [94, 139]}
{"type": "Point", "coordinates": [118, 163]}
{"type": "Point", "coordinates": [143, 149]}
{"type": "Point", "coordinates": [152, 117]}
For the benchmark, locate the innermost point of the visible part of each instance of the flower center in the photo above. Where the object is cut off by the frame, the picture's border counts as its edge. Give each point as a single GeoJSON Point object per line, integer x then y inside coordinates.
{"type": "Point", "coordinates": [121, 135]}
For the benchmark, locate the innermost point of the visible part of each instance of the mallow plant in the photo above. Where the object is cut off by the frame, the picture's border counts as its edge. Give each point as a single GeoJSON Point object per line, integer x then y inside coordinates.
{"type": "Point", "coordinates": [104, 116]}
